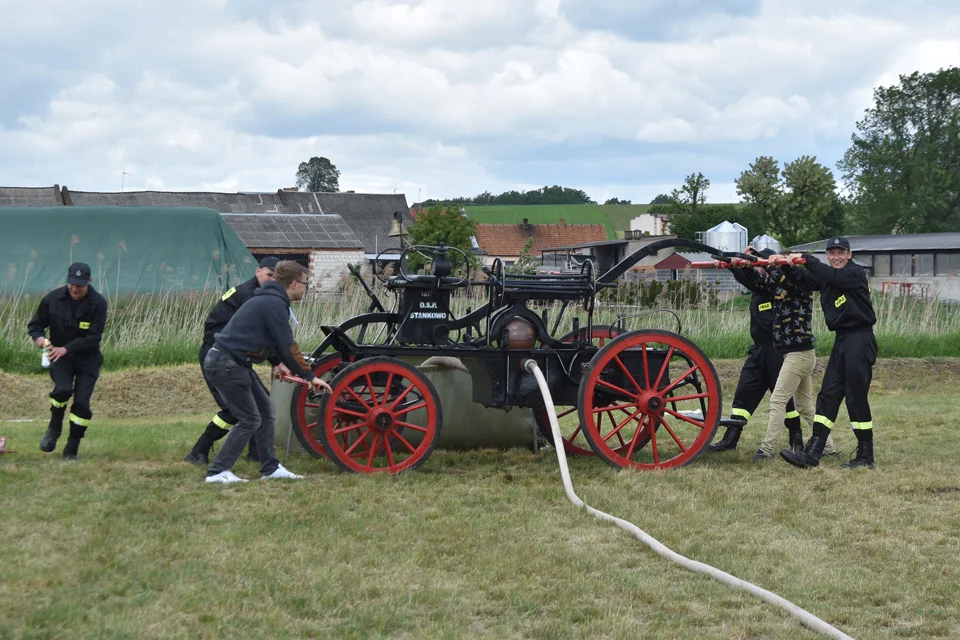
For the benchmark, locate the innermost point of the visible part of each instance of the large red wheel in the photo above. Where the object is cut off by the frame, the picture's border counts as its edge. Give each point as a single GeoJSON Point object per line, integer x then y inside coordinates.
{"type": "Point", "coordinates": [382, 416]}
{"type": "Point", "coordinates": [652, 387]}
{"type": "Point", "coordinates": [305, 407]}
{"type": "Point", "coordinates": [574, 443]}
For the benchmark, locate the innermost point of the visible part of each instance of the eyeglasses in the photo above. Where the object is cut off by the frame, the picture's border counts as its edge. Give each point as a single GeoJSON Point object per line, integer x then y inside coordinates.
{"type": "Point", "coordinates": [305, 283]}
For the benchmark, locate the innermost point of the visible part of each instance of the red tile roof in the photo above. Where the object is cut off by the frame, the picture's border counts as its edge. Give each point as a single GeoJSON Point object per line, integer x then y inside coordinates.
{"type": "Point", "coordinates": [509, 239]}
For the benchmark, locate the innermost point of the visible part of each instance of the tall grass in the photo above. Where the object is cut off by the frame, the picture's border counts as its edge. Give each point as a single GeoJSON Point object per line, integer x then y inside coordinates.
{"type": "Point", "coordinates": [146, 330]}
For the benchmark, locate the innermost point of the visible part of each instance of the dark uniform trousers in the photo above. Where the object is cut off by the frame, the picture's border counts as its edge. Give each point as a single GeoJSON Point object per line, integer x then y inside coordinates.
{"type": "Point", "coordinates": [223, 419]}
{"type": "Point", "coordinates": [758, 376]}
{"type": "Point", "coordinates": [77, 380]}
{"type": "Point", "coordinates": [848, 375]}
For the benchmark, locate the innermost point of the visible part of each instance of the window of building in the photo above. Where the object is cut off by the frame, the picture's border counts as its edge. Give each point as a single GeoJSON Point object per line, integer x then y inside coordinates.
{"type": "Point", "coordinates": [923, 264]}
{"type": "Point", "coordinates": [900, 265]}
{"type": "Point", "coordinates": [881, 264]}
{"type": "Point", "coordinates": [955, 263]}
{"type": "Point", "coordinates": [941, 264]}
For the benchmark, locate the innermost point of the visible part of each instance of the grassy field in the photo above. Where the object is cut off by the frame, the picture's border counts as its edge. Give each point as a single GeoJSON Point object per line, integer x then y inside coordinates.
{"type": "Point", "coordinates": [128, 542]}
{"type": "Point", "coordinates": [147, 331]}
{"type": "Point", "coordinates": [613, 217]}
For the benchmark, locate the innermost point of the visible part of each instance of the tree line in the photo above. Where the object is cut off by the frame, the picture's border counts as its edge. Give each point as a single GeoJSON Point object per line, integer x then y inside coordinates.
{"type": "Point", "coordinates": [544, 195]}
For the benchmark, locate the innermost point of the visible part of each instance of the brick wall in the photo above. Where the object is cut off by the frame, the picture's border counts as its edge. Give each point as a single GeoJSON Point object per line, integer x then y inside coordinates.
{"type": "Point", "coordinates": [327, 268]}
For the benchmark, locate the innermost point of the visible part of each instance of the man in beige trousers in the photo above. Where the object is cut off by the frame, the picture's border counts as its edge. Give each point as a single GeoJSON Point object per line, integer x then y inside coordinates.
{"type": "Point", "coordinates": [793, 337]}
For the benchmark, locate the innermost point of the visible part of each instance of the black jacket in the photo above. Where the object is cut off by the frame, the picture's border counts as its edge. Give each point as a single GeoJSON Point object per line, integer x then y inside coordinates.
{"type": "Point", "coordinates": [844, 293]}
{"type": "Point", "coordinates": [260, 330]}
{"type": "Point", "coordinates": [792, 312]}
{"type": "Point", "coordinates": [78, 326]}
{"type": "Point", "coordinates": [761, 306]}
{"type": "Point", "coordinates": [226, 307]}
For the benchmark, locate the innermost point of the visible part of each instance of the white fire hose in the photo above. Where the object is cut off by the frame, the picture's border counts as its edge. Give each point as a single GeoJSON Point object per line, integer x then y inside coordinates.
{"type": "Point", "coordinates": [804, 616]}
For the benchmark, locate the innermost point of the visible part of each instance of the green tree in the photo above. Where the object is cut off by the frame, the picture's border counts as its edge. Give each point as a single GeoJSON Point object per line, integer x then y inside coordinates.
{"type": "Point", "coordinates": [692, 194]}
{"type": "Point", "coordinates": [617, 201]}
{"type": "Point", "coordinates": [526, 261]}
{"type": "Point", "coordinates": [903, 169]}
{"type": "Point", "coordinates": [796, 205]}
{"type": "Point", "coordinates": [318, 174]}
{"type": "Point", "coordinates": [661, 199]}
{"type": "Point", "coordinates": [441, 224]}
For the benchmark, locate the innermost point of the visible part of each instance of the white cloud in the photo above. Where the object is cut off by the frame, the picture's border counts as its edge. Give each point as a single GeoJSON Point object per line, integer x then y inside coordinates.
{"type": "Point", "coordinates": [451, 97]}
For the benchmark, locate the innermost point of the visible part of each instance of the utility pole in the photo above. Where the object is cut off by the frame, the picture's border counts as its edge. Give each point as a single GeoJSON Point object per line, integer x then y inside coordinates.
{"type": "Point", "coordinates": [123, 175]}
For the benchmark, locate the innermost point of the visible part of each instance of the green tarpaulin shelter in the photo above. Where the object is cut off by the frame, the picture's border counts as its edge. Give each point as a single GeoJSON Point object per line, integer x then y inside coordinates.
{"type": "Point", "coordinates": [143, 250]}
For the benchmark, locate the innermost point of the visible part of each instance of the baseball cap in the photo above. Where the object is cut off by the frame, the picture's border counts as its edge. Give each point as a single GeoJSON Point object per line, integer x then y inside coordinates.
{"type": "Point", "coordinates": [838, 243]}
{"type": "Point", "coordinates": [78, 274]}
{"type": "Point", "coordinates": [765, 253]}
{"type": "Point", "coordinates": [270, 262]}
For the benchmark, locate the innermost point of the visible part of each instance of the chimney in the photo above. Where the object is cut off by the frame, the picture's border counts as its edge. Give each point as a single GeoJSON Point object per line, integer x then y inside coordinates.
{"type": "Point", "coordinates": [563, 222]}
{"type": "Point", "coordinates": [525, 224]}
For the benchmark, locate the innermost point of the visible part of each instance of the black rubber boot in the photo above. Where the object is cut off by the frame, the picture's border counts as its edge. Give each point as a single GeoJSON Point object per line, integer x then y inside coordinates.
{"type": "Point", "coordinates": [49, 441]}
{"type": "Point", "coordinates": [729, 440]}
{"type": "Point", "coordinates": [864, 457]}
{"type": "Point", "coordinates": [796, 439]}
{"type": "Point", "coordinates": [73, 441]}
{"type": "Point", "coordinates": [200, 454]}
{"type": "Point", "coordinates": [809, 457]}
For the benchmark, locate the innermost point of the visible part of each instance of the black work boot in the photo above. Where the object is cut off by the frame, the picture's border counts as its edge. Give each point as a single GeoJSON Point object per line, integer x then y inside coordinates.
{"type": "Point", "coordinates": [796, 439]}
{"type": "Point", "coordinates": [49, 441]}
{"type": "Point", "coordinates": [200, 454]}
{"type": "Point", "coordinates": [73, 441]}
{"type": "Point", "coordinates": [729, 440]}
{"type": "Point", "coordinates": [864, 457]}
{"type": "Point", "coordinates": [809, 457]}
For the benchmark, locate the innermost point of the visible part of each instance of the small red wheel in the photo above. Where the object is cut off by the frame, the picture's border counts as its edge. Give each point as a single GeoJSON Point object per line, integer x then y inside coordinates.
{"type": "Point", "coordinates": [383, 416]}
{"type": "Point", "coordinates": [305, 407]}
{"type": "Point", "coordinates": [574, 442]}
{"type": "Point", "coordinates": [653, 387]}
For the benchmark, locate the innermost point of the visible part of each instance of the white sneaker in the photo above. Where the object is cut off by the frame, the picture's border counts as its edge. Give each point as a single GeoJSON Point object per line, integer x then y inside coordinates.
{"type": "Point", "coordinates": [224, 477]}
{"type": "Point", "coordinates": [283, 473]}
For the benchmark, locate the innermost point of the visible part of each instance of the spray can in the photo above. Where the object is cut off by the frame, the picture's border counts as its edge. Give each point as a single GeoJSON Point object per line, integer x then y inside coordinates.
{"type": "Point", "coordinates": [45, 354]}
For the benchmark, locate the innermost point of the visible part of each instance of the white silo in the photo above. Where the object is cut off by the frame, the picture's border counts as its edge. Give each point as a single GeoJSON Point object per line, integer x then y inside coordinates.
{"type": "Point", "coordinates": [727, 236]}
{"type": "Point", "coordinates": [766, 242]}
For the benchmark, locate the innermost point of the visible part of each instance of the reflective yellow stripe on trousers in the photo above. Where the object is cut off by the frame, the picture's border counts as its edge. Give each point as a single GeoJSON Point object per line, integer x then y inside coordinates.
{"type": "Point", "coordinates": [792, 414]}
{"type": "Point", "coordinates": [220, 422]}
{"type": "Point", "coordinates": [824, 421]}
{"type": "Point", "coordinates": [862, 425]}
{"type": "Point", "coordinates": [58, 405]}
{"type": "Point", "coordinates": [743, 413]}
{"type": "Point", "coordinates": [83, 422]}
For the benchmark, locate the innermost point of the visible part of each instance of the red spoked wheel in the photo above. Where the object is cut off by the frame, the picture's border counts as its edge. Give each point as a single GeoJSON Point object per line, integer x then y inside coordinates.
{"type": "Point", "coordinates": [383, 416]}
{"type": "Point", "coordinates": [574, 442]}
{"type": "Point", "coordinates": [305, 407]}
{"type": "Point", "coordinates": [650, 387]}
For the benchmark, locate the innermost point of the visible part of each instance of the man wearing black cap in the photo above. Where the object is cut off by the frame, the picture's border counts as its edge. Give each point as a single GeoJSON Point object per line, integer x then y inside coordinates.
{"type": "Point", "coordinates": [848, 311]}
{"type": "Point", "coordinates": [216, 321]}
{"type": "Point", "coordinates": [75, 315]}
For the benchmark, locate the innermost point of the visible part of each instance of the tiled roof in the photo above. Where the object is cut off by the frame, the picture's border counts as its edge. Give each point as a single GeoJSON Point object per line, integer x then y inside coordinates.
{"type": "Point", "coordinates": [292, 231]}
{"type": "Point", "coordinates": [368, 214]}
{"type": "Point", "coordinates": [509, 239]}
{"type": "Point", "coordinates": [30, 196]}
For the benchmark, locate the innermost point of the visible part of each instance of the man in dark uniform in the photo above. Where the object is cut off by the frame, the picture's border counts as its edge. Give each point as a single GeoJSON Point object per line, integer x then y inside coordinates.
{"type": "Point", "coordinates": [75, 315]}
{"type": "Point", "coordinates": [848, 311]}
{"type": "Point", "coordinates": [760, 371]}
{"type": "Point", "coordinates": [260, 330]}
{"type": "Point", "coordinates": [216, 321]}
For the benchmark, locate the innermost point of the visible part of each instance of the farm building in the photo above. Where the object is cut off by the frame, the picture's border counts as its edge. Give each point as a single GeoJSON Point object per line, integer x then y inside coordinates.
{"type": "Point", "coordinates": [144, 250]}
{"type": "Point", "coordinates": [506, 241]}
{"type": "Point", "coordinates": [322, 242]}
{"type": "Point", "coordinates": [607, 253]}
{"type": "Point", "coordinates": [921, 264]}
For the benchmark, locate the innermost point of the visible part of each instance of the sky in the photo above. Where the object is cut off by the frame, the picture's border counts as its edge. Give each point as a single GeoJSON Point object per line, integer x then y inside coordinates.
{"type": "Point", "coordinates": [445, 98]}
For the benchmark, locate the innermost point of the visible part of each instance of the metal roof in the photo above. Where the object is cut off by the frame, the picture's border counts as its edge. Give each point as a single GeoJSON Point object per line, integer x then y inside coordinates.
{"type": "Point", "coordinates": [899, 242]}
{"type": "Point", "coordinates": [30, 196]}
{"type": "Point", "coordinates": [293, 231]}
